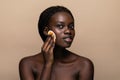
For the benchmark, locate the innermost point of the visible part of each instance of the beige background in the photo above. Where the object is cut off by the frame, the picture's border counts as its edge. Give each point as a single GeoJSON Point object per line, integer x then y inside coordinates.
{"type": "Point", "coordinates": [97, 34]}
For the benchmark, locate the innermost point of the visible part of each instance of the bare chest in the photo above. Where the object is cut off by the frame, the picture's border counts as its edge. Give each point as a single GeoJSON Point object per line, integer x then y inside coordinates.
{"type": "Point", "coordinates": [60, 72]}
{"type": "Point", "coordinates": [65, 73]}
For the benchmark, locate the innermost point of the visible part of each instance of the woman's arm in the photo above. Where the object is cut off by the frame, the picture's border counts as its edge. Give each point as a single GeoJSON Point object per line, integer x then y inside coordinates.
{"type": "Point", "coordinates": [47, 51]}
{"type": "Point", "coordinates": [25, 70]}
{"type": "Point", "coordinates": [87, 72]}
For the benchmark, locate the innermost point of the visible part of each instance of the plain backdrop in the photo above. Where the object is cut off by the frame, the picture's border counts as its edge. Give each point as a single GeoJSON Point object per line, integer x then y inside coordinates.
{"type": "Point", "coordinates": [97, 24]}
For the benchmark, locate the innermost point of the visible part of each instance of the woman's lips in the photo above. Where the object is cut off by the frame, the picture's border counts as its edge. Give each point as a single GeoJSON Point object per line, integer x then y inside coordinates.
{"type": "Point", "coordinates": [68, 39]}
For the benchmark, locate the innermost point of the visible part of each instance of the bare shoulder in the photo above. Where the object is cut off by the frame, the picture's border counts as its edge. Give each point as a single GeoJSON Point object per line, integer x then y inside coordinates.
{"type": "Point", "coordinates": [26, 61]}
{"type": "Point", "coordinates": [84, 62]}
{"type": "Point", "coordinates": [82, 59]}
{"type": "Point", "coordinates": [29, 61]}
{"type": "Point", "coordinates": [86, 68]}
{"type": "Point", "coordinates": [27, 66]}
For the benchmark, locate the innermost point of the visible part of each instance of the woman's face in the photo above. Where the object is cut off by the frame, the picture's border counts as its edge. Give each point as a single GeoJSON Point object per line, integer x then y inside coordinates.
{"type": "Point", "coordinates": [62, 24]}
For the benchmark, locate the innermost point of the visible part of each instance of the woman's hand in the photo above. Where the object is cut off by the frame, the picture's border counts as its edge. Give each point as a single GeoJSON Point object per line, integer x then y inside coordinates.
{"type": "Point", "coordinates": [47, 50]}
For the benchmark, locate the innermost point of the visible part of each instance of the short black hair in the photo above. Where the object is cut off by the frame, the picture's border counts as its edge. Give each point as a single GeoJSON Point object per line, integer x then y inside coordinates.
{"type": "Point", "coordinates": [46, 15]}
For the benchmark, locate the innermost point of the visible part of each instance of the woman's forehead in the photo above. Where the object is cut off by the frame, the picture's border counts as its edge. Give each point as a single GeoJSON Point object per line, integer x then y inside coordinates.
{"type": "Point", "coordinates": [61, 17]}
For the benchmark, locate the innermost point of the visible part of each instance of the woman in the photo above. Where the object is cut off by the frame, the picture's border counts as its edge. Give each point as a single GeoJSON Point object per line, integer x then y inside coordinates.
{"type": "Point", "coordinates": [55, 62]}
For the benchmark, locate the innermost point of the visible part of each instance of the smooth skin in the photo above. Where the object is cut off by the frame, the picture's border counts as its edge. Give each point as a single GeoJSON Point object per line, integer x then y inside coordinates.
{"type": "Point", "coordinates": [55, 62]}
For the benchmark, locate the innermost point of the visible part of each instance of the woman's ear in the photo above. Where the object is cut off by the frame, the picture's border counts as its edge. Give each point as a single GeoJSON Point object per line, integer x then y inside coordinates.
{"type": "Point", "coordinates": [46, 29]}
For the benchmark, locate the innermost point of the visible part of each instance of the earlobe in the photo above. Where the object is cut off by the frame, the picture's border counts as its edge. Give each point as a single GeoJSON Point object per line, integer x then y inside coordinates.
{"type": "Point", "coordinates": [46, 31]}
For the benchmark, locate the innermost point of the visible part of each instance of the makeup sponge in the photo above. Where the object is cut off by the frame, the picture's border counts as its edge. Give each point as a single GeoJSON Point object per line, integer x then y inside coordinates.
{"type": "Point", "coordinates": [51, 33]}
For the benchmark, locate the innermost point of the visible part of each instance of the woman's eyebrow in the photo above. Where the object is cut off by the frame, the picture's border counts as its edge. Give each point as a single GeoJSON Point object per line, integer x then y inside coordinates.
{"type": "Point", "coordinates": [61, 22]}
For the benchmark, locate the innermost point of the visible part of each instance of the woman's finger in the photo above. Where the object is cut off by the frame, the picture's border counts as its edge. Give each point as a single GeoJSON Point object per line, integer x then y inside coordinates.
{"type": "Point", "coordinates": [47, 41]}
{"type": "Point", "coordinates": [50, 46]}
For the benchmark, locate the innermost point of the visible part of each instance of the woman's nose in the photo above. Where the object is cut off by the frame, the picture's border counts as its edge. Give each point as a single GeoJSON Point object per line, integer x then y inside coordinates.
{"type": "Point", "coordinates": [67, 30]}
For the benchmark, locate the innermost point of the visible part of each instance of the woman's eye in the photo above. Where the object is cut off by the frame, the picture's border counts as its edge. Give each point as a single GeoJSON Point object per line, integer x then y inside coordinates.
{"type": "Point", "coordinates": [60, 26]}
{"type": "Point", "coordinates": [71, 26]}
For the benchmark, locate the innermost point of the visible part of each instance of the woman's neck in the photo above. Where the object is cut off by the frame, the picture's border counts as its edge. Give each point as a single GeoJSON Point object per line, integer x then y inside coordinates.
{"type": "Point", "coordinates": [60, 53]}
